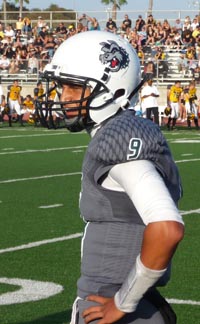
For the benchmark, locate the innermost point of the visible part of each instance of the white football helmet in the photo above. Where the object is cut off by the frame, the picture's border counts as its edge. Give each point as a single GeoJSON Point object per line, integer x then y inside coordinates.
{"type": "Point", "coordinates": [102, 61]}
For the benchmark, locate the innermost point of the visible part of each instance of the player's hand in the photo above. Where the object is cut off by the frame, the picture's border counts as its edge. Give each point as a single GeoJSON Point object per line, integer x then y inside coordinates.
{"type": "Point", "coordinates": [106, 312]}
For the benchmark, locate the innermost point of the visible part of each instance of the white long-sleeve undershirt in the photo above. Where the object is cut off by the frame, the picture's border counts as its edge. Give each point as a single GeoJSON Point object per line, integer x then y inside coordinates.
{"type": "Point", "coordinates": [147, 190]}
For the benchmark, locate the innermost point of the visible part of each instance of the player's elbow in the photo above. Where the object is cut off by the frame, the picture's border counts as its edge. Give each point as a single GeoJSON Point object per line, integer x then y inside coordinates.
{"type": "Point", "coordinates": [174, 233]}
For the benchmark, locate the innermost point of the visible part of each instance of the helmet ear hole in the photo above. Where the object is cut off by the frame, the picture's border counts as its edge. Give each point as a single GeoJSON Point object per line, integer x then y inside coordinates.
{"type": "Point", "coordinates": [119, 93]}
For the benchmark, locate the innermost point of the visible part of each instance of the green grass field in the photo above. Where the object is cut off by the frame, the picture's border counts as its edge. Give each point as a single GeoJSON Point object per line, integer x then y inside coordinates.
{"type": "Point", "coordinates": [40, 225]}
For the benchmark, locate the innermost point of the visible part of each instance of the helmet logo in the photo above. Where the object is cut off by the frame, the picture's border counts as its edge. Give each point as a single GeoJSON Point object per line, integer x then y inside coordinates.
{"type": "Point", "coordinates": [115, 56]}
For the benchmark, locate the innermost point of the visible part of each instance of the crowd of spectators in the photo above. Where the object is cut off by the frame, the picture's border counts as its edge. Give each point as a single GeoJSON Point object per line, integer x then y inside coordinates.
{"type": "Point", "coordinates": [28, 47]}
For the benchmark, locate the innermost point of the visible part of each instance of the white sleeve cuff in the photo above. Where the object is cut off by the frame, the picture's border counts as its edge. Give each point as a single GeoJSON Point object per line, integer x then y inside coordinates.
{"type": "Point", "coordinates": [139, 280]}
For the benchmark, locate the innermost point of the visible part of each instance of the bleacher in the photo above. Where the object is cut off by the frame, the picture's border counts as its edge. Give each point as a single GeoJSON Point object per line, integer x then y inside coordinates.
{"type": "Point", "coordinates": [173, 74]}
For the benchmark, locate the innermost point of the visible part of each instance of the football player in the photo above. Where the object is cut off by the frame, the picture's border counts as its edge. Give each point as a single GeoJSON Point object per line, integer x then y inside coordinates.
{"type": "Point", "coordinates": [190, 97]}
{"type": "Point", "coordinates": [130, 184]}
{"type": "Point", "coordinates": [174, 96]}
{"type": "Point", "coordinates": [14, 100]}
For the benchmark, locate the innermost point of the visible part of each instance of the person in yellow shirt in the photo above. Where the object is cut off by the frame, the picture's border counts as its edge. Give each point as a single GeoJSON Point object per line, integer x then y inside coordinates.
{"type": "Point", "coordinates": [190, 95]}
{"type": "Point", "coordinates": [14, 100]}
{"type": "Point", "coordinates": [38, 91]}
{"type": "Point", "coordinates": [28, 104]}
{"type": "Point", "coordinates": [174, 102]}
{"type": "Point", "coordinates": [29, 107]}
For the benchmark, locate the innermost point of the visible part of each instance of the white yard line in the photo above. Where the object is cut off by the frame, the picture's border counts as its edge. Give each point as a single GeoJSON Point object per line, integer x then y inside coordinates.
{"type": "Point", "coordinates": [45, 133]}
{"type": "Point", "coordinates": [40, 177]}
{"type": "Point", "coordinates": [183, 302]}
{"type": "Point", "coordinates": [39, 243]}
{"type": "Point", "coordinates": [189, 160]}
{"type": "Point", "coordinates": [43, 150]}
{"type": "Point", "coordinates": [65, 238]}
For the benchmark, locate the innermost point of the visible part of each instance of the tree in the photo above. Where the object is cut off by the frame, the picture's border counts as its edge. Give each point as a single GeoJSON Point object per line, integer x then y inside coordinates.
{"type": "Point", "coordinates": [116, 4]}
{"type": "Point", "coordinates": [150, 9]}
{"type": "Point", "coordinates": [4, 11]}
{"type": "Point", "coordinates": [21, 3]}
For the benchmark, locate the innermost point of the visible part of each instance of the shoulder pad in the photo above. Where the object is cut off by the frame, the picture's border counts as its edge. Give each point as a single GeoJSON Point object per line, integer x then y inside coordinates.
{"type": "Point", "coordinates": [126, 138]}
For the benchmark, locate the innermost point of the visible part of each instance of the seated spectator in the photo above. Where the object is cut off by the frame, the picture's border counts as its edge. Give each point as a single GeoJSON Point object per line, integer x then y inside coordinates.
{"type": "Point", "coordinates": [196, 74]}
{"type": "Point", "coordinates": [71, 30]}
{"type": "Point", "coordinates": [133, 42]}
{"type": "Point", "coordinates": [14, 67]}
{"type": "Point", "coordinates": [32, 63]}
{"type": "Point", "coordinates": [150, 36]}
{"type": "Point", "coordinates": [111, 25]}
{"type": "Point", "coordinates": [50, 45]}
{"type": "Point", "coordinates": [133, 37]}
{"type": "Point", "coordinates": [21, 56]}
{"type": "Point", "coordinates": [197, 44]}
{"type": "Point", "coordinates": [193, 66]}
{"type": "Point", "coordinates": [196, 32]}
{"type": "Point", "coordinates": [187, 38]}
{"type": "Point", "coordinates": [194, 24]}
{"type": "Point", "coordinates": [38, 41]}
{"type": "Point", "coordinates": [160, 59]}
{"type": "Point", "coordinates": [17, 42]}
{"type": "Point", "coordinates": [160, 34]}
{"type": "Point", "coordinates": [61, 29]}
{"type": "Point", "coordinates": [1, 31]}
{"type": "Point", "coordinates": [80, 28]}
{"type": "Point", "coordinates": [170, 41]}
{"type": "Point", "coordinates": [4, 63]}
{"type": "Point", "coordinates": [40, 24]}
{"type": "Point", "coordinates": [187, 23]}
{"type": "Point", "coordinates": [191, 53]}
{"type": "Point", "coordinates": [149, 70]}
{"type": "Point", "coordinates": [140, 54]}
{"type": "Point", "coordinates": [179, 26]}
{"type": "Point", "coordinates": [150, 21]}
{"type": "Point", "coordinates": [9, 52]}
{"type": "Point", "coordinates": [94, 24]}
{"type": "Point", "coordinates": [177, 37]}
{"type": "Point", "coordinates": [9, 32]}
{"type": "Point", "coordinates": [126, 23]}
{"type": "Point", "coordinates": [84, 20]}
{"type": "Point", "coordinates": [142, 36]}
{"type": "Point", "coordinates": [183, 64]}
{"type": "Point", "coordinates": [166, 27]}
{"type": "Point", "coordinates": [7, 41]}
{"type": "Point", "coordinates": [44, 60]}
{"type": "Point", "coordinates": [43, 33]}
{"type": "Point", "coordinates": [139, 23]}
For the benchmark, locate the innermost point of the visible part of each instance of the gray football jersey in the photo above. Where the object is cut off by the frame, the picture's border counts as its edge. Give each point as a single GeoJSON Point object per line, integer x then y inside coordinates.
{"type": "Point", "coordinates": [114, 232]}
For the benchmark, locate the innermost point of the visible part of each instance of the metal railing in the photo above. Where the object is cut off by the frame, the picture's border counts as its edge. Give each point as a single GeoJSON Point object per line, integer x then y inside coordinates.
{"type": "Point", "coordinates": [30, 75]}
{"type": "Point", "coordinates": [52, 18]}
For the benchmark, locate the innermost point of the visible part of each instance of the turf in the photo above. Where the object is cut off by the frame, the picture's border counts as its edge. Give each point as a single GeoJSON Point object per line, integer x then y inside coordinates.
{"type": "Point", "coordinates": [39, 191]}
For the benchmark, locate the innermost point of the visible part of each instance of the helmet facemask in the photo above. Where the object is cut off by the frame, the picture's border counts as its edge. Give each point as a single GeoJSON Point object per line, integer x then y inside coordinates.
{"type": "Point", "coordinates": [59, 114]}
